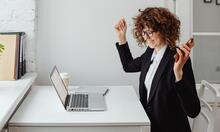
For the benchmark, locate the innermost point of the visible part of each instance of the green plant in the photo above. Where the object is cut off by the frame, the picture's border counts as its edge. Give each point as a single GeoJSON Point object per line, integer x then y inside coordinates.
{"type": "Point", "coordinates": [2, 48]}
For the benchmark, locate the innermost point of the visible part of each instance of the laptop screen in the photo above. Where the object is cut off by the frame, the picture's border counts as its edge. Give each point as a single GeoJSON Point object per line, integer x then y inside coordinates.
{"type": "Point", "coordinates": [58, 84]}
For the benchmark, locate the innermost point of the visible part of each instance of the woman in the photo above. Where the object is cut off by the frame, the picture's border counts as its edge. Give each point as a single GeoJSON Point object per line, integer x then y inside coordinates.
{"type": "Point", "coordinates": [166, 86]}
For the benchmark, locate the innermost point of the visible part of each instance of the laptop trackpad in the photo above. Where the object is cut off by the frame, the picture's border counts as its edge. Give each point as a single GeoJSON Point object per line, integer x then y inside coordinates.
{"type": "Point", "coordinates": [97, 102]}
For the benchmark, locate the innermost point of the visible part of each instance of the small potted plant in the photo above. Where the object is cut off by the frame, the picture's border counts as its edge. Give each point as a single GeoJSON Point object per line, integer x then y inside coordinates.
{"type": "Point", "coordinates": [2, 47]}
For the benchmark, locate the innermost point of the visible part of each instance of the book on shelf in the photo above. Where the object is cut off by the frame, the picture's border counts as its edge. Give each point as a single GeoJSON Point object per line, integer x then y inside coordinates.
{"type": "Point", "coordinates": [21, 54]}
{"type": "Point", "coordinates": [12, 60]}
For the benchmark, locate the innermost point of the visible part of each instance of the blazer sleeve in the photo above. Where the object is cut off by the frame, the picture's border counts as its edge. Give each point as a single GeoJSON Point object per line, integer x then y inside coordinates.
{"type": "Point", "coordinates": [129, 64]}
{"type": "Point", "coordinates": [186, 90]}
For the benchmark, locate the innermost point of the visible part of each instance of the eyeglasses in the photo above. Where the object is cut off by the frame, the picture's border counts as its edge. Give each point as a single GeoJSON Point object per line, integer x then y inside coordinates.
{"type": "Point", "coordinates": [148, 33]}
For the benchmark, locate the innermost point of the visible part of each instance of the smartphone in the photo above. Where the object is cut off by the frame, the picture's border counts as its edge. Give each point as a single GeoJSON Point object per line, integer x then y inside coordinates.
{"type": "Point", "coordinates": [189, 43]}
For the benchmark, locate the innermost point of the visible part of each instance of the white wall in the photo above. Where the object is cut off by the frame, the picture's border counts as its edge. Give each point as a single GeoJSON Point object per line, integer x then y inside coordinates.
{"type": "Point", "coordinates": [78, 36]}
{"type": "Point", "coordinates": [20, 15]}
{"type": "Point", "coordinates": [183, 11]}
{"type": "Point", "coordinates": [89, 49]}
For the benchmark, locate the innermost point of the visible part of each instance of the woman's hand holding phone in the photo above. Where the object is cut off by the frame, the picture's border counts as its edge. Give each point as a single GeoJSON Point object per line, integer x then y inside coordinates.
{"type": "Point", "coordinates": [181, 57]}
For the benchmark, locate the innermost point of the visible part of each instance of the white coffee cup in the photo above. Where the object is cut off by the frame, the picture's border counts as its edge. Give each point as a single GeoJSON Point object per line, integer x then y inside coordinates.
{"type": "Point", "coordinates": [66, 78]}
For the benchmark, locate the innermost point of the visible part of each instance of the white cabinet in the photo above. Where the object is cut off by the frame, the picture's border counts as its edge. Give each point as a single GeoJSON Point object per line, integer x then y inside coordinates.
{"type": "Point", "coordinates": [206, 33]}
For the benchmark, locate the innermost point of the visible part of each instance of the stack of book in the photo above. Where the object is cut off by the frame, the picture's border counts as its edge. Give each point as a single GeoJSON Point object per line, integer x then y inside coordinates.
{"type": "Point", "coordinates": [12, 55]}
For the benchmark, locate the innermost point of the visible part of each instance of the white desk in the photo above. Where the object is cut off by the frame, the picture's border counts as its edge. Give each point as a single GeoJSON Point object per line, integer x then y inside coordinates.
{"type": "Point", "coordinates": [42, 111]}
{"type": "Point", "coordinates": [11, 93]}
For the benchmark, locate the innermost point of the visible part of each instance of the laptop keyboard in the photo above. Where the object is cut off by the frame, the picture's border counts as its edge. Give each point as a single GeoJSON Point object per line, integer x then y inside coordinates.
{"type": "Point", "coordinates": [79, 101]}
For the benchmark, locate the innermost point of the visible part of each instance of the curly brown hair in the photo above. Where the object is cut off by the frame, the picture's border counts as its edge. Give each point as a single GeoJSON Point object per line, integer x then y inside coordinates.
{"type": "Point", "coordinates": [158, 19]}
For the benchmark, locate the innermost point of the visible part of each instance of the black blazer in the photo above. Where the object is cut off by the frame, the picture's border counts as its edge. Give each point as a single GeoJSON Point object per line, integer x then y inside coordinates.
{"type": "Point", "coordinates": [169, 102]}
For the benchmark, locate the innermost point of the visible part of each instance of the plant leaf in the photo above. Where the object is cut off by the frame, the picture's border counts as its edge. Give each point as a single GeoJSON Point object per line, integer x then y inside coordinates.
{"type": "Point", "coordinates": [1, 48]}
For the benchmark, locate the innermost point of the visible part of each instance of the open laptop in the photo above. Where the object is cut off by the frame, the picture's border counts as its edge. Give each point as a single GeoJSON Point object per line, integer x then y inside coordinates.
{"type": "Point", "coordinates": [76, 101]}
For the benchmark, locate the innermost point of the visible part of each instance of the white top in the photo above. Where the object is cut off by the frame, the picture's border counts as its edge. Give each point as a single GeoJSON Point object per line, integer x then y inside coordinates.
{"type": "Point", "coordinates": [11, 93]}
{"type": "Point", "coordinates": [42, 107]}
{"type": "Point", "coordinates": [155, 58]}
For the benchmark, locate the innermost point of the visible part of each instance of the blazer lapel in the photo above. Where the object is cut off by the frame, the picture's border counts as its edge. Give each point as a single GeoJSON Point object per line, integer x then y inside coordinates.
{"type": "Point", "coordinates": [147, 64]}
{"type": "Point", "coordinates": [158, 74]}
{"type": "Point", "coordinates": [145, 67]}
